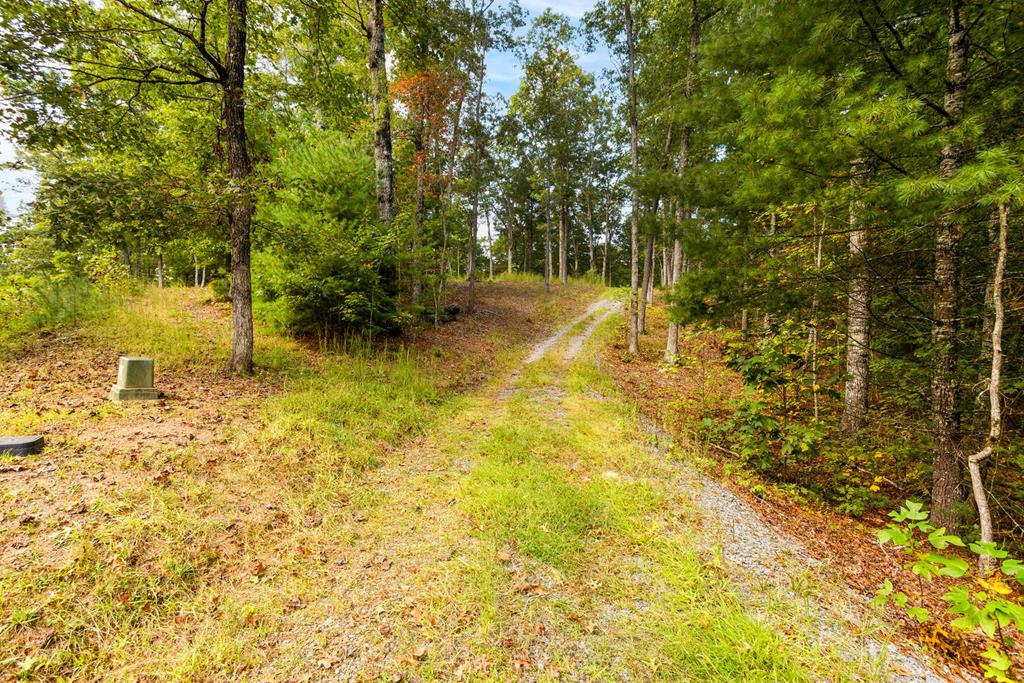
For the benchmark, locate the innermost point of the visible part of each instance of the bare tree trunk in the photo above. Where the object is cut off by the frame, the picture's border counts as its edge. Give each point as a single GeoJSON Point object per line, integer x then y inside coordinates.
{"type": "Point", "coordinates": [995, 429]}
{"type": "Point", "coordinates": [648, 278]}
{"type": "Point", "coordinates": [239, 167]}
{"type": "Point", "coordinates": [508, 243]}
{"type": "Point", "coordinates": [528, 245]}
{"type": "Point", "coordinates": [417, 231]}
{"type": "Point", "coordinates": [634, 161]}
{"type": "Point", "coordinates": [475, 216]}
{"type": "Point", "coordinates": [815, 303]}
{"type": "Point", "coordinates": [672, 345]}
{"type": "Point", "coordinates": [471, 258]}
{"type": "Point", "coordinates": [590, 231]}
{"type": "Point", "coordinates": [547, 239]}
{"type": "Point", "coordinates": [490, 245]}
{"type": "Point", "coordinates": [947, 487]}
{"type": "Point", "coordinates": [443, 204]}
{"type": "Point", "coordinates": [575, 260]}
{"type": "Point", "coordinates": [858, 312]}
{"type": "Point", "coordinates": [203, 281]}
{"type": "Point", "coordinates": [987, 323]}
{"type": "Point", "coordinates": [607, 244]}
{"type": "Point", "coordinates": [563, 244]}
{"type": "Point", "coordinates": [666, 266]}
{"type": "Point", "coordinates": [159, 270]}
{"type": "Point", "coordinates": [474, 219]}
{"type": "Point", "coordinates": [649, 285]}
{"type": "Point", "coordinates": [766, 320]}
{"type": "Point", "coordinates": [382, 155]}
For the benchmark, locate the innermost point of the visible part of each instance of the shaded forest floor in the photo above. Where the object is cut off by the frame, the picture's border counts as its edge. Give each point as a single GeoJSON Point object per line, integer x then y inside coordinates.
{"type": "Point", "coordinates": [430, 509]}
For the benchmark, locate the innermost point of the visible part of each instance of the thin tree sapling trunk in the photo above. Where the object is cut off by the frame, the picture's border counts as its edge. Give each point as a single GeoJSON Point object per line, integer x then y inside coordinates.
{"type": "Point", "coordinates": [607, 244]}
{"type": "Point", "coordinates": [666, 267]}
{"type": "Point", "coordinates": [508, 243]}
{"type": "Point", "coordinates": [815, 303]}
{"type": "Point", "coordinates": [987, 322]}
{"type": "Point", "coordinates": [672, 343]}
{"type": "Point", "coordinates": [547, 239]}
{"type": "Point", "coordinates": [575, 259]}
{"type": "Point", "coordinates": [995, 429]}
{"type": "Point", "coordinates": [445, 201]}
{"type": "Point", "coordinates": [563, 245]}
{"type": "Point", "coordinates": [648, 278]}
{"type": "Point", "coordinates": [490, 245]}
{"type": "Point", "coordinates": [634, 164]}
{"type": "Point", "coordinates": [475, 215]}
{"type": "Point", "coordinates": [419, 210]}
{"type": "Point", "coordinates": [590, 232]}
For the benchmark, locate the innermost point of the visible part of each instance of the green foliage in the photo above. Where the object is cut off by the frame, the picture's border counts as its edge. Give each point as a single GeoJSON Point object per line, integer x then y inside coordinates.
{"type": "Point", "coordinates": [43, 288]}
{"type": "Point", "coordinates": [326, 264]}
{"type": "Point", "coordinates": [761, 427]}
{"type": "Point", "coordinates": [990, 610]}
{"type": "Point", "coordinates": [772, 360]}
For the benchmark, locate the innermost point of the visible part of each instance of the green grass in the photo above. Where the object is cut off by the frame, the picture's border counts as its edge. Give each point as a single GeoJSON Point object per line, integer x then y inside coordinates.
{"type": "Point", "coordinates": [151, 571]}
{"type": "Point", "coordinates": [350, 406]}
{"type": "Point", "coordinates": [157, 324]}
{"type": "Point", "coordinates": [157, 580]}
{"type": "Point", "coordinates": [32, 304]}
{"type": "Point", "coordinates": [562, 480]}
{"type": "Point", "coordinates": [706, 632]}
{"type": "Point", "coordinates": [532, 505]}
{"type": "Point", "coordinates": [517, 276]}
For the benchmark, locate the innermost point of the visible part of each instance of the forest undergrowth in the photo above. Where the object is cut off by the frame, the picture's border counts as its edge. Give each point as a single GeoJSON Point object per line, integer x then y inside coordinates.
{"type": "Point", "coordinates": [747, 417]}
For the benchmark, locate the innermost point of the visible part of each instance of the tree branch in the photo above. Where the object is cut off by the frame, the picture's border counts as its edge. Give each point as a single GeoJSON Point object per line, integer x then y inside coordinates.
{"type": "Point", "coordinates": [200, 45]}
{"type": "Point", "coordinates": [897, 71]}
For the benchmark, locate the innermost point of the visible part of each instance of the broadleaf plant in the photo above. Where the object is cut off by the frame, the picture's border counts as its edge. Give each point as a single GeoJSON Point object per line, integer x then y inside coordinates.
{"type": "Point", "coordinates": [992, 610]}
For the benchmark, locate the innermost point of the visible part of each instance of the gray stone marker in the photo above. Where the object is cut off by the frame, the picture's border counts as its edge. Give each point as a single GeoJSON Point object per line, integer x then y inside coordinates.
{"type": "Point", "coordinates": [134, 380]}
{"type": "Point", "coordinates": [21, 445]}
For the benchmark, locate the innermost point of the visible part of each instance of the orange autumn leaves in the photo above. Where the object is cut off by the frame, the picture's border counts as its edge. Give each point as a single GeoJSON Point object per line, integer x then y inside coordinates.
{"type": "Point", "coordinates": [433, 99]}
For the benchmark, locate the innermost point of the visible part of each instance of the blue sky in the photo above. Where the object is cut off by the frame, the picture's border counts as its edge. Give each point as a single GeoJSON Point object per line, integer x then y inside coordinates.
{"type": "Point", "coordinates": [503, 70]}
{"type": "Point", "coordinates": [16, 186]}
{"type": "Point", "coordinates": [503, 73]}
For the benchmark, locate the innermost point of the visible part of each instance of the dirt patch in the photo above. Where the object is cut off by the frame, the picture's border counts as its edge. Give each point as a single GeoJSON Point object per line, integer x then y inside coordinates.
{"type": "Point", "coordinates": [508, 314]}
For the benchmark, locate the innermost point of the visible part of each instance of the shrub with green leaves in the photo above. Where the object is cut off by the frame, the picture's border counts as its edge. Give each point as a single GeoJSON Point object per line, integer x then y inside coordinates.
{"type": "Point", "coordinates": [780, 382]}
{"type": "Point", "coordinates": [325, 262]}
{"type": "Point", "coordinates": [992, 610]}
{"type": "Point", "coordinates": [42, 287]}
